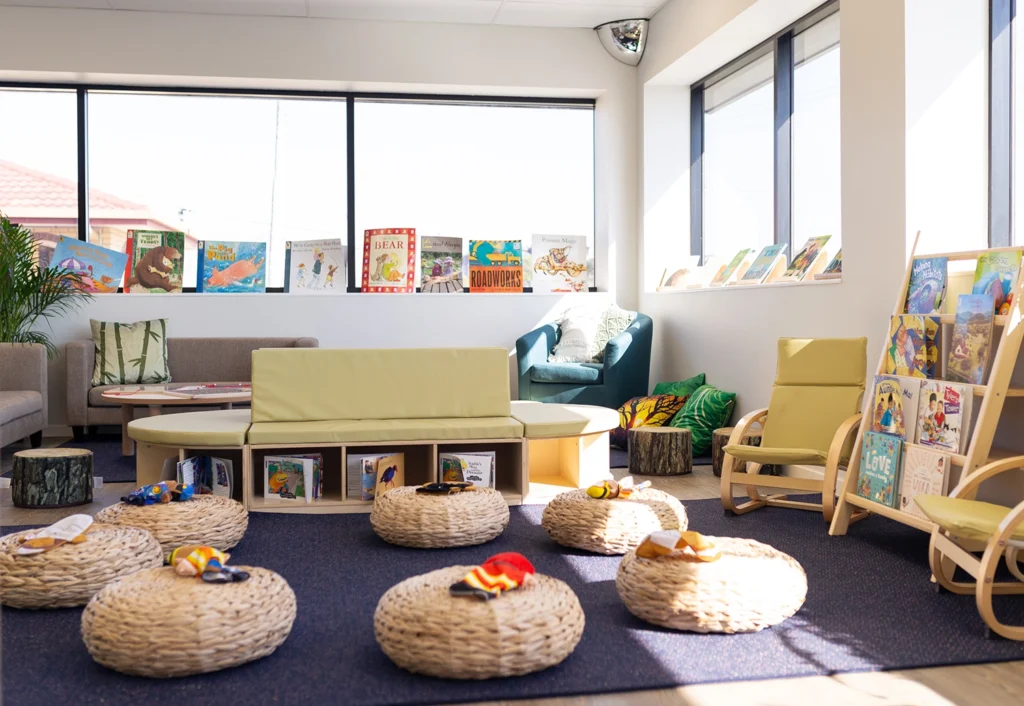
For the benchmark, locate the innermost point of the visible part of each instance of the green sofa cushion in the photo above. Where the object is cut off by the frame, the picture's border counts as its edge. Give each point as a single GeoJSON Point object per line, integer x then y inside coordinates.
{"type": "Point", "coordinates": [707, 409]}
{"type": "Point", "coordinates": [683, 388]}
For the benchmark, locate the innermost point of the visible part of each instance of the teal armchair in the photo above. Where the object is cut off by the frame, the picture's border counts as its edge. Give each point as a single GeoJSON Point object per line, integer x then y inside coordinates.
{"type": "Point", "coordinates": [624, 373]}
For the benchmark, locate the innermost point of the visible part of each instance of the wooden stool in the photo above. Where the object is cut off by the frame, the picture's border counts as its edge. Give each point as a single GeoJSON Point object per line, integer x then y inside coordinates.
{"type": "Point", "coordinates": [51, 478]}
{"type": "Point", "coordinates": [660, 451]}
{"type": "Point", "coordinates": [720, 439]}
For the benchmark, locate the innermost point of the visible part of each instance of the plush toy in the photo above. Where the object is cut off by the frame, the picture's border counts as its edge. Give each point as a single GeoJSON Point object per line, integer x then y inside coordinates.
{"type": "Point", "coordinates": [206, 562]}
{"type": "Point", "coordinates": [163, 492]}
{"type": "Point", "coordinates": [446, 488]}
{"type": "Point", "coordinates": [686, 546]}
{"type": "Point", "coordinates": [609, 489]}
{"type": "Point", "coordinates": [70, 530]}
{"type": "Point", "coordinates": [502, 572]}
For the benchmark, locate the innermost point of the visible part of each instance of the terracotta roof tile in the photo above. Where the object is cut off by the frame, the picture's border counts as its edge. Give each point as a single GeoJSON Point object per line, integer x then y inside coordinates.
{"type": "Point", "coordinates": [24, 188]}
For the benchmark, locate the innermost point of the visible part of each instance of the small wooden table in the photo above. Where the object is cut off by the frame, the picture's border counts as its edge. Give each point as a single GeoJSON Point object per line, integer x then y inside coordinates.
{"type": "Point", "coordinates": [157, 396]}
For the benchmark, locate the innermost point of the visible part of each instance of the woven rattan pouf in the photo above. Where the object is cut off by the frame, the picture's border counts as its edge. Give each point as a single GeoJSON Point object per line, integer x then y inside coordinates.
{"type": "Point", "coordinates": [157, 624]}
{"type": "Point", "coordinates": [424, 629]}
{"type": "Point", "coordinates": [205, 519]}
{"type": "Point", "coordinates": [69, 575]}
{"type": "Point", "coordinates": [752, 586]}
{"type": "Point", "coordinates": [410, 519]}
{"type": "Point", "coordinates": [574, 519]}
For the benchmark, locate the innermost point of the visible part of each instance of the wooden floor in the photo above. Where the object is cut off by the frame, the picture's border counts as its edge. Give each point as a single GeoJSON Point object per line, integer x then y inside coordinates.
{"type": "Point", "coordinates": [982, 685]}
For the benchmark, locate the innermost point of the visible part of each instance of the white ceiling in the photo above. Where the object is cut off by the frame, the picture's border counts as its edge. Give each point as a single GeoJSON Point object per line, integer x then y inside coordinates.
{"type": "Point", "coordinates": [539, 13]}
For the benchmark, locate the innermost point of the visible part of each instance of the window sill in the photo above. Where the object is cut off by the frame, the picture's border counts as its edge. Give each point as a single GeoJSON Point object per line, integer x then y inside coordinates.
{"type": "Point", "coordinates": [748, 287]}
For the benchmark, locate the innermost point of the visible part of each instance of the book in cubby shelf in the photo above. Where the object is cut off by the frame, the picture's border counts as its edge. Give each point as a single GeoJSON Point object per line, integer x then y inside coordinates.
{"type": "Point", "coordinates": [476, 468]}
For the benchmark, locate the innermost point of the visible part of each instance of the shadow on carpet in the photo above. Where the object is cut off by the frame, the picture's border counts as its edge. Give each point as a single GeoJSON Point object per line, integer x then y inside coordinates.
{"type": "Point", "coordinates": [870, 606]}
{"type": "Point", "coordinates": [107, 460]}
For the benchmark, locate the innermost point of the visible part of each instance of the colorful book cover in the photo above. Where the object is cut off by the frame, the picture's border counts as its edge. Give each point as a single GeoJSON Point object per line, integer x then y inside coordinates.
{"type": "Point", "coordinates": [476, 468]}
{"type": "Point", "coordinates": [231, 266]}
{"type": "Point", "coordinates": [805, 260]}
{"type": "Point", "coordinates": [496, 265]}
{"type": "Point", "coordinates": [287, 478]}
{"type": "Point", "coordinates": [836, 266]}
{"type": "Point", "coordinates": [932, 345]}
{"type": "Point", "coordinates": [734, 269]}
{"type": "Point", "coordinates": [907, 351]}
{"type": "Point", "coordinates": [943, 414]}
{"type": "Point", "coordinates": [880, 468]}
{"type": "Point", "coordinates": [927, 286]}
{"type": "Point", "coordinates": [994, 276]}
{"type": "Point", "coordinates": [559, 263]}
{"type": "Point", "coordinates": [972, 336]}
{"type": "Point", "coordinates": [887, 415]}
{"type": "Point", "coordinates": [390, 473]}
{"type": "Point", "coordinates": [209, 475]}
{"type": "Point", "coordinates": [128, 263]}
{"type": "Point", "coordinates": [764, 264]}
{"type": "Point", "coordinates": [925, 472]}
{"type": "Point", "coordinates": [389, 260]}
{"type": "Point", "coordinates": [369, 479]}
{"type": "Point", "coordinates": [440, 265]}
{"type": "Point", "coordinates": [315, 266]}
{"type": "Point", "coordinates": [157, 261]}
{"type": "Point", "coordinates": [99, 270]}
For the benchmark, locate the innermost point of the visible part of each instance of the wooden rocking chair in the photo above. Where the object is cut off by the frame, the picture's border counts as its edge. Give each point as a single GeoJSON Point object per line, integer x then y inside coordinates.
{"type": "Point", "coordinates": [964, 525]}
{"type": "Point", "coordinates": [812, 419]}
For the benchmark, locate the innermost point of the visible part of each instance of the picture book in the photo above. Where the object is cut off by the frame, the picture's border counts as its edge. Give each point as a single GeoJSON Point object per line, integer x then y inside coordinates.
{"type": "Point", "coordinates": [354, 477]}
{"type": "Point", "coordinates": [834, 269]}
{"type": "Point", "coordinates": [372, 473]}
{"type": "Point", "coordinates": [126, 277]}
{"type": "Point", "coordinates": [390, 473]}
{"type": "Point", "coordinates": [495, 265]}
{"type": "Point", "coordinates": [368, 486]}
{"type": "Point", "coordinates": [315, 266]}
{"type": "Point", "coordinates": [476, 468]}
{"type": "Point", "coordinates": [440, 264]}
{"type": "Point", "coordinates": [288, 478]}
{"type": "Point", "coordinates": [231, 266]}
{"type": "Point", "coordinates": [907, 351]}
{"type": "Point", "coordinates": [972, 336]}
{"type": "Point", "coordinates": [736, 268]}
{"type": "Point", "coordinates": [894, 405]}
{"type": "Point", "coordinates": [925, 472]}
{"type": "Point", "coordinates": [560, 263]}
{"type": "Point", "coordinates": [880, 468]}
{"type": "Point", "coordinates": [210, 476]}
{"type": "Point", "coordinates": [157, 262]}
{"type": "Point", "coordinates": [97, 270]}
{"type": "Point", "coordinates": [678, 277]}
{"type": "Point", "coordinates": [932, 345]}
{"type": "Point", "coordinates": [810, 258]}
{"type": "Point", "coordinates": [994, 275]}
{"type": "Point", "coordinates": [389, 260]}
{"type": "Point", "coordinates": [927, 286]}
{"type": "Point", "coordinates": [943, 417]}
{"type": "Point", "coordinates": [766, 267]}
{"type": "Point", "coordinates": [316, 478]}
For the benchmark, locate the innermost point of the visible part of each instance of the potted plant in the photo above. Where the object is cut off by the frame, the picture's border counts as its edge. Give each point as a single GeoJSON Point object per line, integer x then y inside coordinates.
{"type": "Point", "coordinates": [29, 294]}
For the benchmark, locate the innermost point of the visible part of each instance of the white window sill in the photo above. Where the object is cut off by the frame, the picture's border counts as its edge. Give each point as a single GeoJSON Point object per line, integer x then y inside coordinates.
{"type": "Point", "coordinates": [748, 287]}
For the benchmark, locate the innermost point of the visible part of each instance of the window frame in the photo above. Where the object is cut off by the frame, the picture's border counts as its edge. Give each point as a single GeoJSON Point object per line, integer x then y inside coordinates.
{"type": "Point", "coordinates": [354, 241]}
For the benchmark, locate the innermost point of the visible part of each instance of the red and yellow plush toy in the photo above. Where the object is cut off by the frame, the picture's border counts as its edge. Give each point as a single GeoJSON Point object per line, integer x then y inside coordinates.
{"type": "Point", "coordinates": [206, 562]}
{"type": "Point", "coordinates": [685, 546]}
{"type": "Point", "coordinates": [610, 490]}
{"type": "Point", "coordinates": [502, 572]}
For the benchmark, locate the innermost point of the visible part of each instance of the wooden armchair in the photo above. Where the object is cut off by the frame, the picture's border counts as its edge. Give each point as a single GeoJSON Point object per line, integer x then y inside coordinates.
{"type": "Point", "coordinates": [812, 419]}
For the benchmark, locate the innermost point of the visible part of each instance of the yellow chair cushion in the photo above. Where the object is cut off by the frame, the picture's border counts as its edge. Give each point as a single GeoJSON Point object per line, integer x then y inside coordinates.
{"type": "Point", "coordinates": [318, 384]}
{"type": "Point", "coordinates": [766, 456]}
{"type": "Point", "coordinates": [223, 428]}
{"type": "Point", "coordinates": [552, 421]}
{"type": "Point", "coordinates": [355, 430]}
{"type": "Point", "coordinates": [972, 519]}
{"type": "Point", "coordinates": [804, 417]}
{"type": "Point", "coordinates": [831, 362]}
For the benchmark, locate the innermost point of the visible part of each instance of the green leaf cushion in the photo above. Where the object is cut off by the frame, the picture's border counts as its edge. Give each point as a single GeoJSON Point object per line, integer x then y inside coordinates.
{"type": "Point", "coordinates": [130, 354]}
{"type": "Point", "coordinates": [707, 409]}
{"type": "Point", "coordinates": [654, 411]}
{"type": "Point", "coordinates": [683, 388]}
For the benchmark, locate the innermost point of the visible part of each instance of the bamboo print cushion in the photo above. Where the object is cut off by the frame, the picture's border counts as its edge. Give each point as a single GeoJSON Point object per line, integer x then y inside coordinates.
{"type": "Point", "coordinates": [129, 354]}
{"type": "Point", "coordinates": [653, 411]}
{"type": "Point", "coordinates": [707, 409]}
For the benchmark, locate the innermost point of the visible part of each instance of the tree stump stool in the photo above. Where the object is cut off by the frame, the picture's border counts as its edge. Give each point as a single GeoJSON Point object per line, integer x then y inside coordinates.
{"type": "Point", "coordinates": [720, 439]}
{"type": "Point", "coordinates": [660, 451]}
{"type": "Point", "coordinates": [51, 478]}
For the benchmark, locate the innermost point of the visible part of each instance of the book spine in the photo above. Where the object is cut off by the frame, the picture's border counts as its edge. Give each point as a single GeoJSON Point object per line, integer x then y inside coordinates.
{"type": "Point", "coordinates": [200, 265]}
{"type": "Point", "coordinates": [365, 282]}
{"type": "Point", "coordinates": [128, 266]}
{"type": "Point", "coordinates": [288, 267]}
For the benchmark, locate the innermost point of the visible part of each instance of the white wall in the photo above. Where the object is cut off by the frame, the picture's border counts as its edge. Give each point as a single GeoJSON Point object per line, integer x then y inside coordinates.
{"type": "Point", "coordinates": [155, 49]}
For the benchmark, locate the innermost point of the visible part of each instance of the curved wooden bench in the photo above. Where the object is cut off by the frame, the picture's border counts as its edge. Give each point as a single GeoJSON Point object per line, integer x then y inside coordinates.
{"type": "Point", "coordinates": [166, 436]}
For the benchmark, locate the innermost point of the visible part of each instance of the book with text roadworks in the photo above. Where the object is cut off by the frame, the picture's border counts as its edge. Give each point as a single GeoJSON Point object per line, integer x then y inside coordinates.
{"type": "Point", "coordinates": [766, 265]}
{"type": "Point", "coordinates": [972, 336]}
{"type": "Point", "coordinates": [476, 468]}
{"type": "Point", "coordinates": [559, 263]}
{"type": "Point", "coordinates": [810, 258]}
{"type": "Point", "coordinates": [880, 468]}
{"type": "Point", "coordinates": [157, 261]}
{"type": "Point", "coordinates": [995, 275]}
{"type": "Point", "coordinates": [927, 285]}
{"type": "Point", "coordinates": [390, 473]}
{"type": "Point", "coordinates": [736, 268]}
{"type": "Point", "coordinates": [209, 475]}
{"type": "Point", "coordinates": [231, 266]}
{"type": "Point", "coordinates": [315, 266]}
{"type": "Point", "coordinates": [925, 472]}
{"type": "Point", "coordinates": [894, 403]}
{"type": "Point", "coordinates": [389, 260]}
{"type": "Point", "coordinates": [97, 270]}
{"type": "Point", "coordinates": [907, 351]}
{"type": "Point", "coordinates": [944, 415]}
{"type": "Point", "coordinates": [440, 264]}
{"type": "Point", "coordinates": [288, 478]}
{"type": "Point", "coordinates": [495, 266]}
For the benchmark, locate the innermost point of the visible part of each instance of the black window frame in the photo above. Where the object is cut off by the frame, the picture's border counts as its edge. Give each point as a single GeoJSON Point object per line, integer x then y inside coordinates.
{"type": "Point", "coordinates": [1002, 14]}
{"type": "Point", "coordinates": [82, 91]}
{"type": "Point", "coordinates": [780, 46]}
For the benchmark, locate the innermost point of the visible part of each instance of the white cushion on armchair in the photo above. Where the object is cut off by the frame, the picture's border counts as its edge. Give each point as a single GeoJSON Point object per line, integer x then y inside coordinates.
{"type": "Point", "coordinates": [585, 331]}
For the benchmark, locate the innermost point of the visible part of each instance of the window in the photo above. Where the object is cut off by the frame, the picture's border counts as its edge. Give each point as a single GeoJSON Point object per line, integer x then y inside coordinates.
{"type": "Point", "coordinates": [480, 172]}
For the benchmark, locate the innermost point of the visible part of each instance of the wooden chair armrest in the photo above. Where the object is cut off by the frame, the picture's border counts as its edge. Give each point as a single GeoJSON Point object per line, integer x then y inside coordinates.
{"type": "Point", "coordinates": [742, 426]}
{"type": "Point", "coordinates": [850, 426]}
{"type": "Point", "coordinates": [969, 484]}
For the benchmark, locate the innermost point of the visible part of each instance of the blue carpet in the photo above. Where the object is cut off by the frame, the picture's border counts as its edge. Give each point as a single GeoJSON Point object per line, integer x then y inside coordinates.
{"type": "Point", "coordinates": [869, 606]}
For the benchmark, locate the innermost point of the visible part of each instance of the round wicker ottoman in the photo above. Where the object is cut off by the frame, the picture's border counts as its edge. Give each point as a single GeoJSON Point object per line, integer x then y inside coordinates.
{"type": "Point", "coordinates": [69, 575]}
{"type": "Point", "coordinates": [752, 586]}
{"type": "Point", "coordinates": [425, 630]}
{"type": "Point", "coordinates": [205, 519]}
{"type": "Point", "coordinates": [574, 519]}
{"type": "Point", "coordinates": [157, 624]}
{"type": "Point", "coordinates": [410, 519]}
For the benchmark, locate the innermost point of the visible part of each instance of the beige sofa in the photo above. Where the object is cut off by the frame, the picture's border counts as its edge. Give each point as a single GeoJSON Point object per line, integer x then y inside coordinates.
{"type": "Point", "coordinates": [192, 360]}
{"type": "Point", "coordinates": [22, 392]}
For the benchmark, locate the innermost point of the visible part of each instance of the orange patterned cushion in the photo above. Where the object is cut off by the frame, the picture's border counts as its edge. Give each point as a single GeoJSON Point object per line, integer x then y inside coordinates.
{"type": "Point", "coordinates": [653, 411]}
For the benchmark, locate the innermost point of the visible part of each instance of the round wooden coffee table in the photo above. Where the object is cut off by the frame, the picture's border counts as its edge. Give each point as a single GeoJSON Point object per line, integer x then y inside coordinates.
{"type": "Point", "coordinates": [157, 396]}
